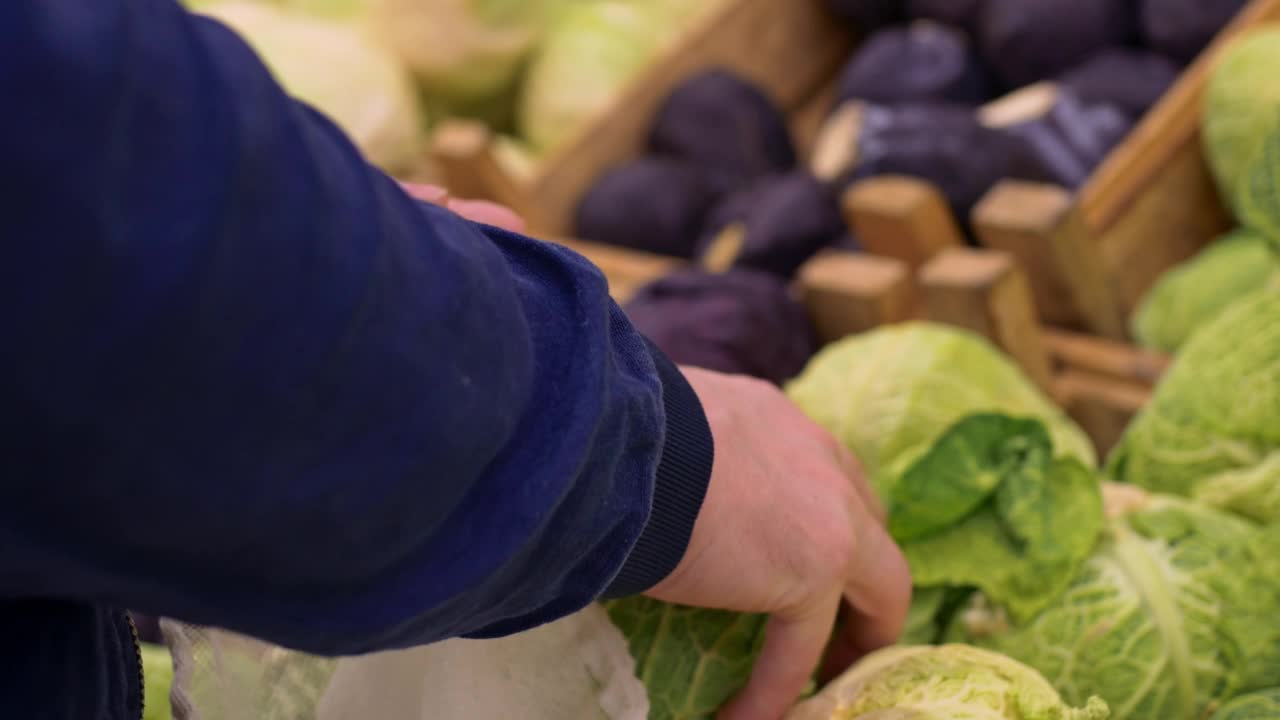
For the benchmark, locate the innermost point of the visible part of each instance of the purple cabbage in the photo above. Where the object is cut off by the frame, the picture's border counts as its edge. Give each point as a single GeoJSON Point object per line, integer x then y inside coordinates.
{"type": "Point", "coordinates": [867, 16]}
{"type": "Point", "coordinates": [1182, 28]}
{"type": "Point", "coordinates": [1069, 142]}
{"type": "Point", "coordinates": [1129, 79]}
{"type": "Point", "coordinates": [786, 219]}
{"type": "Point", "coordinates": [653, 204]}
{"type": "Point", "coordinates": [944, 144]}
{"type": "Point", "coordinates": [726, 126]}
{"type": "Point", "coordinates": [922, 62]}
{"type": "Point", "coordinates": [740, 322]}
{"type": "Point", "coordinates": [962, 14]}
{"type": "Point", "coordinates": [1025, 41]}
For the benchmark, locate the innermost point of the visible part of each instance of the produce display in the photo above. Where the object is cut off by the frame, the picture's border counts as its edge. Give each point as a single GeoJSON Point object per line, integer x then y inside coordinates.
{"type": "Point", "coordinates": [743, 322]}
{"type": "Point", "coordinates": [1241, 142]}
{"type": "Point", "coordinates": [948, 682]}
{"type": "Point", "coordinates": [1049, 583]}
{"type": "Point", "coordinates": [1038, 91]}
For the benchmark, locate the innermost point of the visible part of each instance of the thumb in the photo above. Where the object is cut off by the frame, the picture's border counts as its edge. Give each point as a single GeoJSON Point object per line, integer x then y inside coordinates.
{"type": "Point", "coordinates": [793, 645]}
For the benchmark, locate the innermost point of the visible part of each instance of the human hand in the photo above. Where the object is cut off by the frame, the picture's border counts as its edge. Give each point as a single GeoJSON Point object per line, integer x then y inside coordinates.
{"type": "Point", "coordinates": [480, 211]}
{"type": "Point", "coordinates": [789, 527]}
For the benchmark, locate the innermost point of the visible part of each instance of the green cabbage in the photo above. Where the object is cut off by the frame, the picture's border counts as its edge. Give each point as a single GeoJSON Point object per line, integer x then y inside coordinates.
{"type": "Point", "coordinates": [157, 676]}
{"type": "Point", "coordinates": [950, 682]}
{"type": "Point", "coordinates": [989, 507]}
{"type": "Point", "coordinates": [890, 393]}
{"type": "Point", "coordinates": [1241, 101]}
{"type": "Point", "coordinates": [1212, 427]}
{"type": "Point", "coordinates": [1259, 201]}
{"type": "Point", "coordinates": [588, 56]}
{"type": "Point", "coordinates": [336, 67]}
{"type": "Point", "coordinates": [1199, 289]}
{"type": "Point", "coordinates": [1173, 612]}
{"type": "Point", "coordinates": [690, 660]}
{"type": "Point", "coordinates": [1263, 705]}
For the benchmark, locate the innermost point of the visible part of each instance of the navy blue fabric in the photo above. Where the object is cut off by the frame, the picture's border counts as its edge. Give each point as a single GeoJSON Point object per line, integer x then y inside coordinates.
{"type": "Point", "coordinates": [246, 381]}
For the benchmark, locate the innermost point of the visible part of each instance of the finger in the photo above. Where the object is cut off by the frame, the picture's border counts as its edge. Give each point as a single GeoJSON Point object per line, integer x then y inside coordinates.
{"type": "Point", "coordinates": [429, 193]}
{"type": "Point", "coordinates": [878, 589]}
{"type": "Point", "coordinates": [793, 644]}
{"type": "Point", "coordinates": [488, 213]}
{"type": "Point", "coordinates": [858, 477]}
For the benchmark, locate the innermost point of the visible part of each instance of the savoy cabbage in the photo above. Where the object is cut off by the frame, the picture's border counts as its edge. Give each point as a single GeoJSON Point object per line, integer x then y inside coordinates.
{"type": "Point", "coordinates": [949, 682]}
{"type": "Point", "coordinates": [1212, 427]}
{"type": "Point", "coordinates": [890, 393]}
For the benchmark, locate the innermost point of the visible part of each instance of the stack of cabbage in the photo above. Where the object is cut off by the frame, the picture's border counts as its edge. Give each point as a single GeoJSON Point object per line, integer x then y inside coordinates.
{"type": "Point", "coordinates": [1242, 109]}
{"type": "Point", "coordinates": [384, 69]}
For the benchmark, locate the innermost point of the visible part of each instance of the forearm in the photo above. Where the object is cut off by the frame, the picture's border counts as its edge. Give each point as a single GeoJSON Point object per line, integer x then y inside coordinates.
{"type": "Point", "coordinates": [248, 382]}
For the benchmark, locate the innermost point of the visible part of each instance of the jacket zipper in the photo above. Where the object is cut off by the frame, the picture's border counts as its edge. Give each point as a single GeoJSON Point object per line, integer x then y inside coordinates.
{"type": "Point", "coordinates": [137, 656]}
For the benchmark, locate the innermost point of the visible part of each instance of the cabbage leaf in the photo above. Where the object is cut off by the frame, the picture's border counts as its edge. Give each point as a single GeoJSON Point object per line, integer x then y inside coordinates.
{"type": "Point", "coordinates": [989, 507]}
{"type": "Point", "coordinates": [691, 660]}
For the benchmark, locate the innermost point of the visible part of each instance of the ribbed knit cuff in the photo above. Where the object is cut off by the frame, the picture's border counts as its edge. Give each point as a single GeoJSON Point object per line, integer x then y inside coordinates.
{"type": "Point", "coordinates": [678, 490]}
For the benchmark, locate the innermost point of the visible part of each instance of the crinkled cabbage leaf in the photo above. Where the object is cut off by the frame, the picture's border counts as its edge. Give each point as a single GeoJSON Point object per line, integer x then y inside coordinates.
{"type": "Point", "coordinates": [989, 507]}
{"type": "Point", "coordinates": [691, 660]}
{"type": "Point", "coordinates": [1262, 705]}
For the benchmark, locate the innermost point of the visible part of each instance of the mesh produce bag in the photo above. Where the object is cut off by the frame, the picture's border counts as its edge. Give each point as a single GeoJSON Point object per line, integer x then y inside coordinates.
{"type": "Point", "coordinates": [576, 667]}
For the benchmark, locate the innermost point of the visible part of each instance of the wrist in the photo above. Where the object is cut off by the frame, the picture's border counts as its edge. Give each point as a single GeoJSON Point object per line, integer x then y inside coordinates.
{"type": "Point", "coordinates": [680, 485]}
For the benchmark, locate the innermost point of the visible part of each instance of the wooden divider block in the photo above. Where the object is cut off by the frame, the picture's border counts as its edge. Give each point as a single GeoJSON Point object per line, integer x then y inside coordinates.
{"type": "Point", "coordinates": [464, 153]}
{"type": "Point", "coordinates": [1041, 227]}
{"type": "Point", "coordinates": [985, 291]}
{"type": "Point", "coordinates": [849, 293]}
{"type": "Point", "coordinates": [1106, 359]}
{"type": "Point", "coordinates": [901, 217]}
{"type": "Point", "coordinates": [1102, 407]}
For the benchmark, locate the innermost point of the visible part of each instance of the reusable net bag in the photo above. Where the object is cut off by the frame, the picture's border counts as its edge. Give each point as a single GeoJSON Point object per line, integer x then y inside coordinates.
{"type": "Point", "coordinates": [576, 667]}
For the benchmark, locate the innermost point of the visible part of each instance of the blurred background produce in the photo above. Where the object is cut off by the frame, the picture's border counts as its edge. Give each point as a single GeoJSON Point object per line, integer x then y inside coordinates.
{"type": "Point", "coordinates": [387, 71]}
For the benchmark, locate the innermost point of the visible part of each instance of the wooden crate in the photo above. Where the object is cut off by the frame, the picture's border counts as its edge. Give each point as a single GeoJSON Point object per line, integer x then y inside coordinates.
{"type": "Point", "coordinates": [790, 49]}
{"type": "Point", "coordinates": [1090, 255]}
{"type": "Point", "coordinates": [1101, 383]}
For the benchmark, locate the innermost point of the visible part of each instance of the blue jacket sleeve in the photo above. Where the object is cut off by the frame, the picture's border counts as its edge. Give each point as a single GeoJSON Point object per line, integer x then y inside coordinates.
{"type": "Point", "coordinates": [246, 381]}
